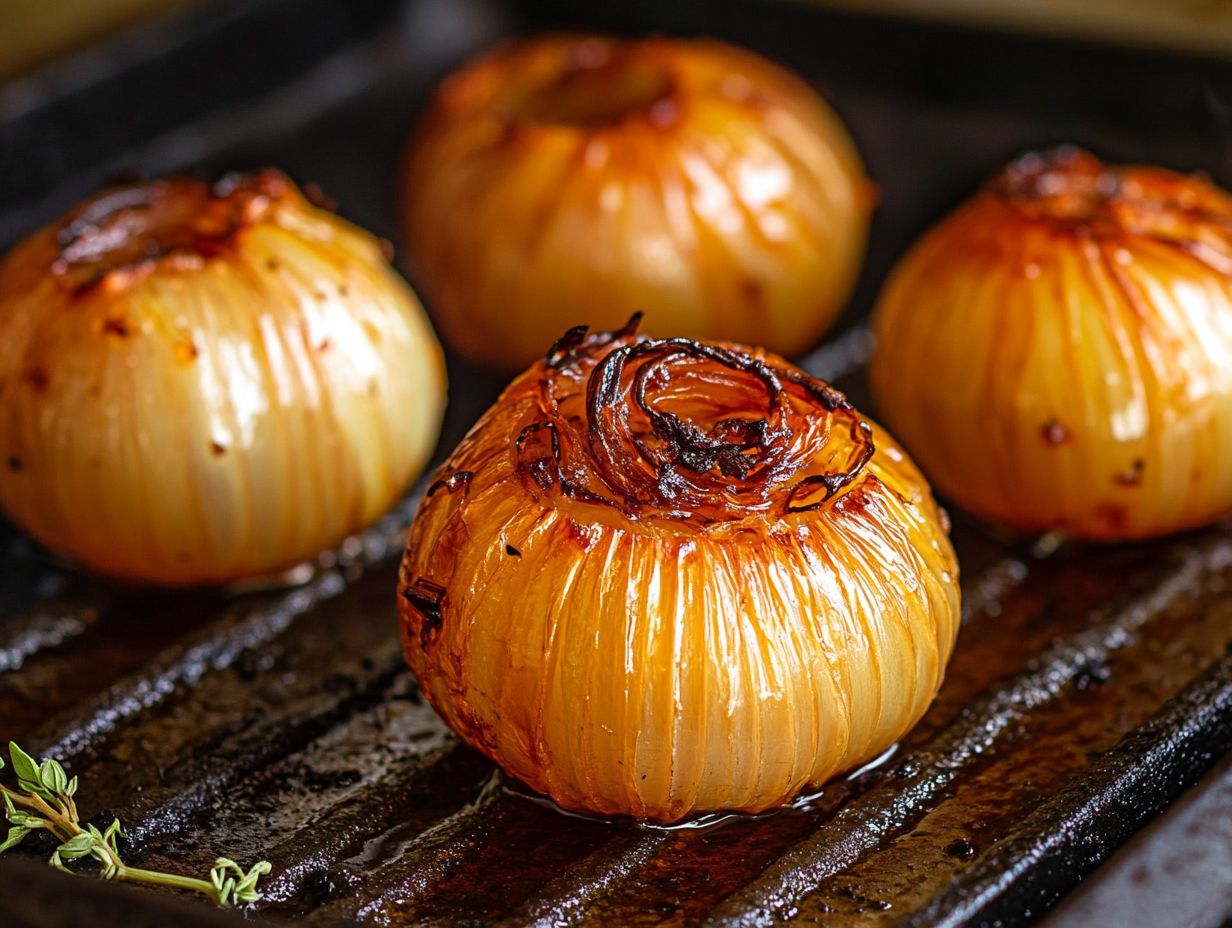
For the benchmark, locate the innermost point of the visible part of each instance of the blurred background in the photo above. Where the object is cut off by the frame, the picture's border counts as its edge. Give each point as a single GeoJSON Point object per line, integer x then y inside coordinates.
{"type": "Point", "coordinates": [37, 31]}
{"type": "Point", "coordinates": [937, 94]}
{"type": "Point", "coordinates": [90, 88]}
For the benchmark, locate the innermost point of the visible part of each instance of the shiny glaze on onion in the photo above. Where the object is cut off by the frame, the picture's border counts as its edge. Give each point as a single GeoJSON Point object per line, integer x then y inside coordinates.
{"type": "Point", "coordinates": [688, 176]}
{"type": "Point", "coordinates": [662, 577]}
{"type": "Point", "coordinates": [1057, 354]}
{"type": "Point", "coordinates": [202, 383]}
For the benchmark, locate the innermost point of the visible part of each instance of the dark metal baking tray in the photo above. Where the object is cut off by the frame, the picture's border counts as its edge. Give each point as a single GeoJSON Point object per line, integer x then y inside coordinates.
{"type": "Point", "coordinates": [1090, 688]}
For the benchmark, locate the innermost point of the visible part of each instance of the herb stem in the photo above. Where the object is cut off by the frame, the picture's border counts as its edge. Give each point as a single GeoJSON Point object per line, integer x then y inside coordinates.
{"type": "Point", "coordinates": [156, 878]}
{"type": "Point", "coordinates": [44, 800]}
{"type": "Point", "coordinates": [64, 826]}
{"type": "Point", "coordinates": [60, 825]}
{"type": "Point", "coordinates": [20, 799]}
{"type": "Point", "coordinates": [38, 802]}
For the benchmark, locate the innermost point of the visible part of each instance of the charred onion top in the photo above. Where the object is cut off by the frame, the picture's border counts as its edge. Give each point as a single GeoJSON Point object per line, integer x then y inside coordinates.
{"type": "Point", "coordinates": [126, 232]}
{"type": "Point", "coordinates": [1073, 191]}
{"type": "Point", "coordinates": [680, 430]}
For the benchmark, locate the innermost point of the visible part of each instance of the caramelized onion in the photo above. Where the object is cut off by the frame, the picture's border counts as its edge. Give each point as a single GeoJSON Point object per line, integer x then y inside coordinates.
{"type": "Point", "coordinates": [662, 577]}
{"type": "Point", "coordinates": [203, 383]}
{"type": "Point", "coordinates": [1057, 354]}
{"type": "Point", "coordinates": [687, 176]}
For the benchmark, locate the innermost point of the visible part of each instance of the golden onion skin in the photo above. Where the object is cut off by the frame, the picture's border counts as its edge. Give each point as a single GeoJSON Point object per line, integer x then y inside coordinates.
{"type": "Point", "coordinates": [688, 176]}
{"type": "Point", "coordinates": [710, 611]}
{"type": "Point", "coordinates": [1057, 354]}
{"type": "Point", "coordinates": [200, 384]}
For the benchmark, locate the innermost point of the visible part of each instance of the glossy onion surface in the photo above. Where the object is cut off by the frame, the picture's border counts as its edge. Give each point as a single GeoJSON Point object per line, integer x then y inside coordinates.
{"type": "Point", "coordinates": [1057, 354]}
{"type": "Point", "coordinates": [687, 177]}
{"type": "Point", "coordinates": [199, 384]}
{"type": "Point", "coordinates": [662, 577]}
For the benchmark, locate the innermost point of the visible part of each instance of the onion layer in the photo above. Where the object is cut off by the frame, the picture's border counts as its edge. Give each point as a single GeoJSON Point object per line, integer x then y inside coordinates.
{"type": "Point", "coordinates": [199, 384]}
{"type": "Point", "coordinates": [662, 577]}
{"type": "Point", "coordinates": [687, 177]}
{"type": "Point", "coordinates": [1057, 354]}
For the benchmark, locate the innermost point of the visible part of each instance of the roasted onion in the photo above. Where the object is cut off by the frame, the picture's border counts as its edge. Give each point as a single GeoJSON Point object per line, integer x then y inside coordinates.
{"type": "Point", "coordinates": [199, 384]}
{"type": "Point", "coordinates": [662, 577]}
{"type": "Point", "coordinates": [1057, 354]}
{"type": "Point", "coordinates": [689, 177]}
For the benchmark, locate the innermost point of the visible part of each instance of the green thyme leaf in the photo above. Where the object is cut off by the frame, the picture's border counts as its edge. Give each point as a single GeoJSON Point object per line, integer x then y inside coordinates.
{"type": "Point", "coordinates": [52, 776]}
{"type": "Point", "coordinates": [246, 896]}
{"type": "Point", "coordinates": [77, 846]}
{"type": "Point", "coordinates": [24, 765]}
{"type": "Point", "coordinates": [45, 802]}
{"type": "Point", "coordinates": [113, 834]}
{"type": "Point", "coordinates": [16, 834]}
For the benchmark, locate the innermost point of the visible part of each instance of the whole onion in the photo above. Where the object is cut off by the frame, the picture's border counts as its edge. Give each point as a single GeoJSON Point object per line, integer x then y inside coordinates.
{"type": "Point", "coordinates": [1057, 354]}
{"type": "Point", "coordinates": [662, 577]}
{"type": "Point", "coordinates": [689, 177]}
{"type": "Point", "coordinates": [199, 384]}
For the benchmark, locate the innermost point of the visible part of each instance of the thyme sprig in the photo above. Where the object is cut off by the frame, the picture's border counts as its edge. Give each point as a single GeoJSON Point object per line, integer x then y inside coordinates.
{"type": "Point", "coordinates": [43, 800]}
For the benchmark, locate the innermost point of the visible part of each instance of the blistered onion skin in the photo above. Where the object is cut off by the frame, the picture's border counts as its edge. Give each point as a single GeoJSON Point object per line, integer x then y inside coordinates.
{"type": "Point", "coordinates": [201, 384]}
{"type": "Point", "coordinates": [660, 578]}
{"type": "Point", "coordinates": [1057, 354]}
{"type": "Point", "coordinates": [687, 176]}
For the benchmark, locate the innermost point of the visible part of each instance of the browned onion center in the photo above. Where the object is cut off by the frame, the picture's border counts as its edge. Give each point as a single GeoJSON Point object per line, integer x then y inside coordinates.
{"type": "Point", "coordinates": [685, 430]}
{"type": "Point", "coordinates": [1077, 192]}
{"type": "Point", "coordinates": [133, 227]}
{"type": "Point", "coordinates": [600, 83]}
{"type": "Point", "coordinates": [1063, 183]}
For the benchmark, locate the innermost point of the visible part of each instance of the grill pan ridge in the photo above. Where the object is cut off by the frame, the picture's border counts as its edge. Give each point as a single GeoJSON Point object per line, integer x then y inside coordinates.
{"type": "Point", "coordinates": [1091, 686]}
